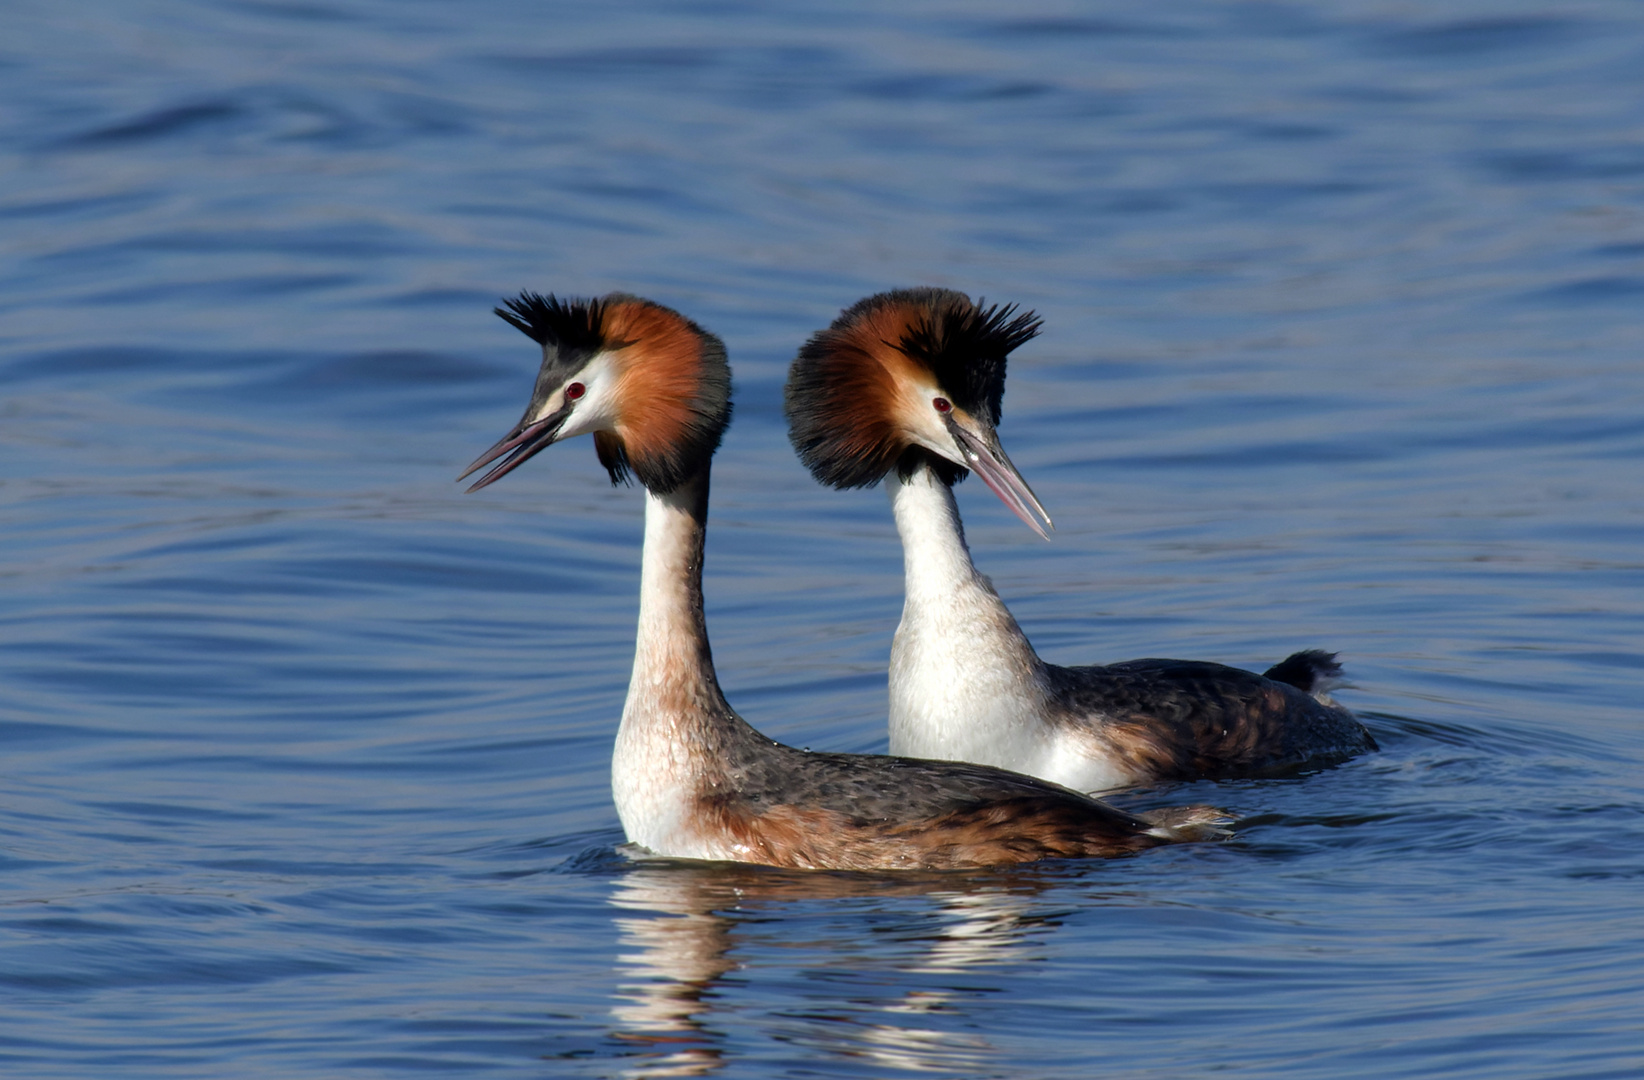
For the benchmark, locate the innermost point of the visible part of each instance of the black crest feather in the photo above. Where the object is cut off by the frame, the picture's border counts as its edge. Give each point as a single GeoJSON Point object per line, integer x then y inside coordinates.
{"type": "Point", "coordinates": [965, 346]}
{"type": "Point", "coordinates": [565, 325]}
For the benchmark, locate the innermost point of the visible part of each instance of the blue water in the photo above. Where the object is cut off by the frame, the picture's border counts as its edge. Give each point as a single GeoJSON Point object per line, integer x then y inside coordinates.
{"type": "Point", "coordinates": [306, 751]}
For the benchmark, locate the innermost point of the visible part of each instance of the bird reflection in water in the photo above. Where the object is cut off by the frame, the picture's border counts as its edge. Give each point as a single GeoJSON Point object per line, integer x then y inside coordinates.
{"type": "Point", "coordinates": [675, 953]}
{"type": "Point", "coordinates": [688, 923]}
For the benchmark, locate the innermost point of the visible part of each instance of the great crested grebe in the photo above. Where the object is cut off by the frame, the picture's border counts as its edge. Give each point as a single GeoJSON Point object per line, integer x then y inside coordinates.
{"type": "Point", "coordinates": [906, 387]}
{"type": "Point", "coordinates": [690, 778]}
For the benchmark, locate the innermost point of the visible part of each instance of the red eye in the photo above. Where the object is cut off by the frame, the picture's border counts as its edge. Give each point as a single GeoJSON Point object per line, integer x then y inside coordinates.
{"type": "Point", "coordinates": [574, 391]}
{"type": "Point", "coordinates": [943, 405]}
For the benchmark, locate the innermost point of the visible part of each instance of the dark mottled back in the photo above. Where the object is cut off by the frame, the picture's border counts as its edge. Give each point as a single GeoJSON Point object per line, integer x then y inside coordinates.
{"type": "Point", "coordinates": [1190, 719]}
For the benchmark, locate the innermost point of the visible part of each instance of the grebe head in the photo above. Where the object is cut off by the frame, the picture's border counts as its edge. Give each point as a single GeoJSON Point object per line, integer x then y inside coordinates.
{"type": "Point", "coordinates": [910, 377]}
{"type": "Point", "coordinates": [652, 386]}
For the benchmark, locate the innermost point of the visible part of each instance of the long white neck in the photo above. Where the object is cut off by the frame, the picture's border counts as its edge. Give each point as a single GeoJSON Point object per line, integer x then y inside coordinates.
{"type": "Point", "coordinates": [675, 723]}
{"type": "Point", "coordinates": [965, 683]}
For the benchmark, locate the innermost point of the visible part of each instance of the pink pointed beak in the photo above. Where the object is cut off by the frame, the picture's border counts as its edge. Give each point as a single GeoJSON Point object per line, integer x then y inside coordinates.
{"type": "Point", "coordinates": [520, 446]}
{"type": "Point", "coordinates": [986, 458]}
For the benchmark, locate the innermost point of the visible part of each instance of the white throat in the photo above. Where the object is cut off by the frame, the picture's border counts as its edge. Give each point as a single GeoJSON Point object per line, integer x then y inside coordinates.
{"type": "Point", "coordinates": [965, 684]}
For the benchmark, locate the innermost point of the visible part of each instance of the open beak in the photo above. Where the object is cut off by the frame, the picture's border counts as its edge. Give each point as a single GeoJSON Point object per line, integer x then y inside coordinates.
{"type": "Point", "coordinates": [519, 446]}
{"type": "Point", "coordinates": [986, 458]}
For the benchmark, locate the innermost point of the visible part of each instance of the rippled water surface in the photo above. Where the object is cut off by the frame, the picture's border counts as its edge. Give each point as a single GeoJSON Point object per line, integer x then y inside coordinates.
{"type": "Point", "coordinates": [306, 751]}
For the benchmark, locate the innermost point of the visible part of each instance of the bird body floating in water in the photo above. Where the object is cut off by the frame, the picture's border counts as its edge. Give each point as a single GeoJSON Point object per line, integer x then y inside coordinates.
{"type": "Point", "coordinates": [690, 778]}
{"type": "Point", "coordinates": [906, 387]}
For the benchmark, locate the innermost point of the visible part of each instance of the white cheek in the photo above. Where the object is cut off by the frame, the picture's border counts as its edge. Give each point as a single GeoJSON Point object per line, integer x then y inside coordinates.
{"type": "Point", "coordinates": [924, 425]}
{"type": "Point", "coordinates": [934, 436]}
{"type": "Point", "coordinates": [577, 424]}
{"type": "Point", "coordinates": [595, 409]}
{"type": "Point", "coordinates": [590, 413]}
